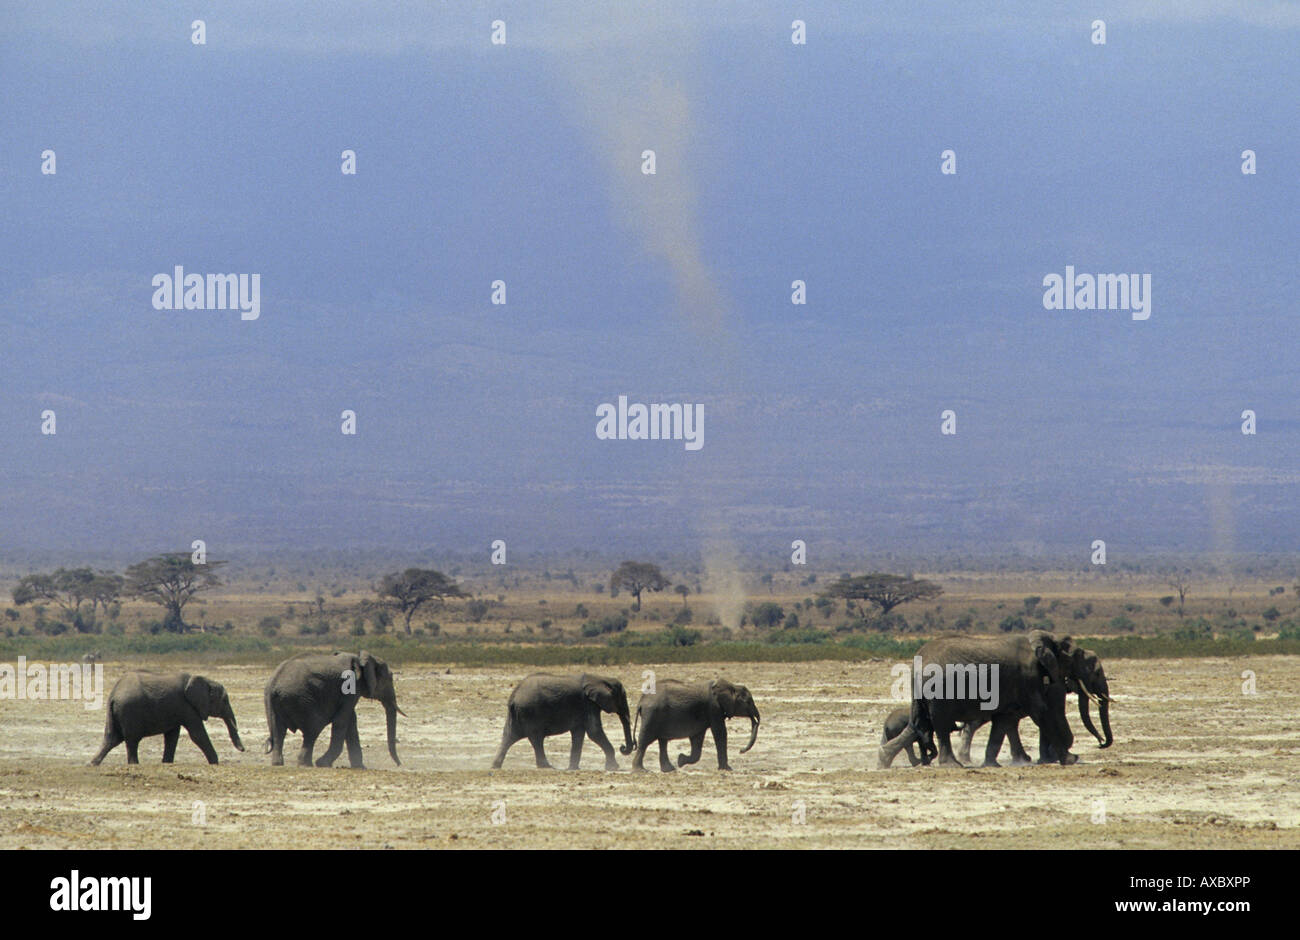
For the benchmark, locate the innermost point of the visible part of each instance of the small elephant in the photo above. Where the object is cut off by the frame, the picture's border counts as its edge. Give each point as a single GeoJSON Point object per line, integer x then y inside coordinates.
{"type": "Point", "coordinates": [313, 690]}
{"type": "Point", "coordinates": [543, 705]}
{"type": "Point", "coordinates": [678, 710]}
{"type": "Point", "coordinates": [143, 704]}
{"type": "Point", "coordinates": [895, 723]}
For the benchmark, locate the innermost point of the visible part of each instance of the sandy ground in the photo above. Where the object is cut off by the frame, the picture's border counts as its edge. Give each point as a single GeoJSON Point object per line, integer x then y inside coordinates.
{"type": "Point", "coordinates": [1196, 764]}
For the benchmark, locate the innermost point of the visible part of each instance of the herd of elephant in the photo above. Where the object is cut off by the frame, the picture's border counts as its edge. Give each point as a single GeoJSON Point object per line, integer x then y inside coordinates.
{"type": "Point", "coordinates": [311, 691]}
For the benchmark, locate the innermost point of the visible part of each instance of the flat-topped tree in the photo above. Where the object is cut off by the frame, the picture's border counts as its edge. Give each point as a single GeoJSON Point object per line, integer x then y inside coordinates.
{"type": "Point", "coordinates": [171, 580]}
{"type": "Point", "coordinates": [886, 591]}
{"type": "Point", "coordinates": [411, 589]}
{"type": "Point", "coordinates": [635, 577]}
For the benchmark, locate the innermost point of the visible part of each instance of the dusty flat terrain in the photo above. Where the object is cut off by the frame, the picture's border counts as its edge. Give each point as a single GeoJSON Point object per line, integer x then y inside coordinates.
{"type": "Point", "coordinates": [1196, 764]}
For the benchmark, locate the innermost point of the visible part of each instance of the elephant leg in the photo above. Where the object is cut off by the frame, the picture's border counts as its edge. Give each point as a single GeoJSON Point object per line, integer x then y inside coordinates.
{"type": "Point", "coordinates": [576, 737]}
{"type": "Point", "coordinates": [597, 734]}
{"type": "Point", "coordinates": [508, 737]}
{"type": "Point", "coordinates": [133, 751]}
{"type": "Point", "coordinates": [354, 745]}
{"type": "Point", "coordinates": [638, 760]}
{"type": "Point", "coordinates": [665, 765]}
{"type": "Point", "coordinates": [1018, 755]}
{"type": "Point", "coordinates": [967, 736]}
{"type": "Point", "coordinates": [111, 740]}
{"type": "Point", "coordinates": [338, 731]}
{"type": "Point", "coordinates": [946, 756]}
{"type": "Point", "coordinates": [697, 748]}
{"type": "Point", "coordinates": [277, 742]}
{"type": "Point", "coordinates": [911, 755]}
{"type": "Point", "coordinates": [169, 744]}
{"type": "Point", "coordinates": [199, 735]}
{"type": "Point", "coordinates": [996, 734]}
{"type": "Point", "coordinates": [539, 750]}
{"type": "Point", "coordinates": [309, 736]}
{"type": "Point", "coordinates": [720, 742]}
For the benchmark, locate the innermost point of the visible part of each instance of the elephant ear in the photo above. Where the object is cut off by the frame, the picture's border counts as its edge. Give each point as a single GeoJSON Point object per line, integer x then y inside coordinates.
{"type": "Point", "coordinates": [368, 673]}
{"type": "Point", "coordinates": [724, 693]}
{"type": "Point", "coordinates": [198, 692]}
{"type": "Point", "coordinates": [1045, 653]}
{"type": "Point", "coordinates": [598, 691]}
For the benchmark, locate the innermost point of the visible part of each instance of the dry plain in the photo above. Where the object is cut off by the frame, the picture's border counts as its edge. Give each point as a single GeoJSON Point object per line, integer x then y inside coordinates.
{"type": "Point", "coordinates": [1197, 763]}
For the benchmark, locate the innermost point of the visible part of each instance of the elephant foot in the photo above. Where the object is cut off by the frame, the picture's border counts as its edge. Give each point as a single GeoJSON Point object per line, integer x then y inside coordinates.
{"type": "Point", "coordinates": [1021, 760]}
{"type": "Point", "coordinates": [667, 769]}
{"type": "Point", "coordinates": [990, 763]}
{"type": "Point", "coordinates": [1069, 759]}
{"type": "Point", "coordinates": [277, 761]}
{"type": "Point", "coordinates": [683, 760]}
{"type": "Point", "coordinates": [611, 765]}
{"type": "Point", "coordinates": [949, 761]}
{"type": "Point", "coordinates": [638, 769]}
{"type": "Point", "coordinates": [724, 766]}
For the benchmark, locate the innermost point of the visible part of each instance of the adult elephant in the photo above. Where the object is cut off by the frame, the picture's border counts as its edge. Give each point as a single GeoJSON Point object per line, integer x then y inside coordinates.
{"type": "Point", "coordinates": [144, 703]}
{"type": "Point", "coordinates": [1083, 674]}
{"type": "Point", "coordinates": [678, 710]}
{"type": "Point", "coordinates": [544, 704]}
{"type": "Point", "coordinates": [313, 690]}
{"type": "Point", "coordinates": [974, 679]}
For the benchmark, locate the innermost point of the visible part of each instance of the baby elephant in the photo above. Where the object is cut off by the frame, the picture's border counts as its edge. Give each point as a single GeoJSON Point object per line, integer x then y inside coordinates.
{"type": "Point", "coordinates": [678, 710]}
{"type": "Point", "coordinates": [894, 725]}
{"type": "Point", "coordinates": [149, 703]}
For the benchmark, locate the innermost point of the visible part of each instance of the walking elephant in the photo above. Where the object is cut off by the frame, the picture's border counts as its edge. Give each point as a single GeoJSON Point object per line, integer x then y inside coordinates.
{"type": "Point", "coordinates": [144, 703]}
{"type": "Point", "coordinates": [544, 705]}
{"type": "Point", "coordinates": [1084, 675]}
{"type": "Point", "coordinates": [977, 679]}
{"type": "Point", "coordinates": [895, 724]}
{"type": "Point", "coordinates": [678, 710]}
{"type": "Point", "coordinates": [313, 690]}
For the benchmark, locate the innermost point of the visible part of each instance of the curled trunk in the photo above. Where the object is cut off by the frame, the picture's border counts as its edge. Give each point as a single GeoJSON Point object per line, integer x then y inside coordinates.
{"type": "Point", "coordinates": [753, 732]}
{"type": "Point", "coordinates": [630, 746]}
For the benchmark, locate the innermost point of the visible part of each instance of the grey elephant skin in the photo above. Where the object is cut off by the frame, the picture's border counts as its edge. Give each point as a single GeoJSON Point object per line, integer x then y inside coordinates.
{"type": "Point", "coordinates": [895, 724]}
{"type": "Point", "coordinates": [544, 704]}
{"type": "Point", "coordinates": [1084, 676]}
{"type": "Point", "coordinates": [144, 703]}
{"type": "Point", "coordinates": [313, 690]}
{"type": "Point", "coordinates": [678, 710]}
{"type": "Point", "coordinates": [1029, 682]}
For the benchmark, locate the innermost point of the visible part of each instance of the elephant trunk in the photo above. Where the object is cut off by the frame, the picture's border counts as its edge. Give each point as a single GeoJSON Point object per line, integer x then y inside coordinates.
{"type": "Point", "coordinates": [1103, 709]}
{"type": "Point", "coordinates": [390, 712]}
{"type": "Point", "coordinates": [228, 716]}
{"type": "Point", "coordinates": [630, 746]}
{"type": "Point", "coordinates": [753, 731]}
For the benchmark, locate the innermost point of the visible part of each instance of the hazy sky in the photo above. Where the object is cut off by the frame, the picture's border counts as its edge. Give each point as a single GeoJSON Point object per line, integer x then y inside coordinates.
{"type": "Point", "coordinates": [775, 162]}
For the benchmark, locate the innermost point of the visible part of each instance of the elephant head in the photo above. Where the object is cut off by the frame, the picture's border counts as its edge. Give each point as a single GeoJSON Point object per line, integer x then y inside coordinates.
{"type": "Point", "coordinates": [375, 680]}
{"type": "Point", "coordinates": [209, 698]}
{"type": "Point", "coordinates": [1053, 659]}
{"type": "Point", "coordinates": [735, 701]}
{"type": "Point", "coordinates": [1084, 675]}
{"type": "Point", "coordinates": [609, 696]}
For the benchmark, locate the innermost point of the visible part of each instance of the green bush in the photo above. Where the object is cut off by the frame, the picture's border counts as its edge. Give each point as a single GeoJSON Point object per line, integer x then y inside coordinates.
{"type": "Point", "coordinates": [269, 626]}
{"type": "Point", "coordinates": [1122, 623]}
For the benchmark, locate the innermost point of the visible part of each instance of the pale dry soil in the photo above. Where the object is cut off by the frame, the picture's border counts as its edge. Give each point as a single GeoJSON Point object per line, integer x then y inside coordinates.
{"type": "Point", "coordinates": [1196, 764]}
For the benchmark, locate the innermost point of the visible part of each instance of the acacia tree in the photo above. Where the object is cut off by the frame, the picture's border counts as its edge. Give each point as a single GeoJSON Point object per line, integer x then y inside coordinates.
{"type": "Point", "coordinates": [1178, 580]}
{"type": "Point", "coordinates": [411, 589]}
{"type": "Point", "coordinates": [886, 591]}
{"type": "Point", "coordinates": [171, 580]}
{"type": "Point", "coordinates": [635, 577]}
{"type": "Point", "coordinates": [67, 587]}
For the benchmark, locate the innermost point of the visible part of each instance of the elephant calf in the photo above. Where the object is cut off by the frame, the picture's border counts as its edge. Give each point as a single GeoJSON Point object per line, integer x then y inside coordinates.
{"type": "Point", "coordinates": [895, 724]}
{"type": "Point", "coordinates": [544, 704]}
{"type": "Point", "coordinates": [148, 703]}
{"type": "Point", "coordinates": [677, 710]}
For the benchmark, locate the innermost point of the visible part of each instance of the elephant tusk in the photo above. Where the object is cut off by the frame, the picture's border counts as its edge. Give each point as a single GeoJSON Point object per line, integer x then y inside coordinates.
{"type": "Point", "coordinates": [402, 713]}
